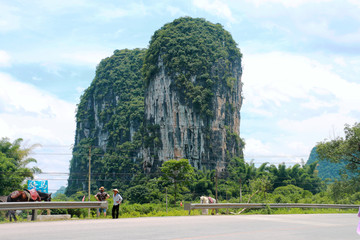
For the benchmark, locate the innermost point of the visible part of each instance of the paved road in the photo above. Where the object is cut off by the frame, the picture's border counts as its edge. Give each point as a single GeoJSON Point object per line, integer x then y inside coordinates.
{"type": "Point", "coordinates": [254, 227]}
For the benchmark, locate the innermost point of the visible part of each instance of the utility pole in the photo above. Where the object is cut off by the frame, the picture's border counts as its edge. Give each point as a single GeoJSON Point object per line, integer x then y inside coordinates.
{"type": "Point", "coordinates": [240, 191]}
{"type": "Point", "coordinates": [89, 178]}
{"type": "Point", "coordinates": [216, 186]}
{"type": "Point", "coordinates": [216, 189]}
{"type": "Point", "coordinates": [166, 200]}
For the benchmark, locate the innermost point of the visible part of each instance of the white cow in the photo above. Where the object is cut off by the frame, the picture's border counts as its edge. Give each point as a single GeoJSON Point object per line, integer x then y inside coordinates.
{"type": "Point", "coordinates": [207, 200]}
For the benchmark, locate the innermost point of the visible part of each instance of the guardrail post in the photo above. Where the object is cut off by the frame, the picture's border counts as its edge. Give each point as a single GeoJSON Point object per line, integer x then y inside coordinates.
{"type": "Point", "coordinates": [34, 215]}
{"type": "Point", "coordinates": [187, 207]}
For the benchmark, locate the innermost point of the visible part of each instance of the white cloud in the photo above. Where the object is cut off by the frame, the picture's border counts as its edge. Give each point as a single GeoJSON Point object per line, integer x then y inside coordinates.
{"type": "Point", "coordinates": [84, 57]}
{"type": "Point", "coordinates": [355, 2]}
{"type": "Point", "coordinates": [9, 18]}
{"type": "Point", "coordinates": [215, 7]}
{"type": "Point", "coordinates": [174, 11]}
{"type": "Point", "coordinates": [4, 59]}
{"type": "Point", "coordinates": [54, 59]}
{"type": "Point", "coordinates": [261, 112]}
{"type": "Point", "coordinates": [318, 127]}
{"type": "Point", "coordinates": [304, 101]}
{"type": "Point", "coordinates": [21, 98]}
{"type": "Point", "coordinates": [280, 77]}
{"type": "Point", "coordinates": [323, 30]}
{"type": "Point", "coordinates": [316, 103]}
{"type": "Point", "coordinates": [286, 3]}
{"type": "Point", "coordinates": [59, 5]}
{"type": "Point", "coordinates": [340, 61]}
{"type": "Point", "coordinates": [112, 13]}
{"type": "Point", "coordinates": [118, 11]}
{"type": "Point", "coordinates": [275, 152]}
{"type": "Point", "coordinates": [39, 118]}
{"type": "Point", "coordinates": [35, 115]}
{"type": "Point", "coordinates": [255, 147]}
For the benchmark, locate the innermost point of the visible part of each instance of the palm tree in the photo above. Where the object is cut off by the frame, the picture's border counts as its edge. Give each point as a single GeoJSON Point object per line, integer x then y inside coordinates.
{"type": "Point", "coordinates": [13, 164]}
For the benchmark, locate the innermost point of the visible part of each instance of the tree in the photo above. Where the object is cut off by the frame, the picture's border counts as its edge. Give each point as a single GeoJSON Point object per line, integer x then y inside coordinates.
{"type": "Point", "coordinates": [177, 173]}
{"type": "Point", "coordinates": [138, 194]}
{"type": "Point", "coordinates": [203, 183]}
{"type": "Point", "coordinates": [290, 192]}
{"type": "Point", "coordinates": [303, 177]}
{"type": "Point", "coordinates": [13, 165]}
{"type": "Point", "coordinates": [343, 149]}
{"type": "Point", "coordinates": [259, 185]}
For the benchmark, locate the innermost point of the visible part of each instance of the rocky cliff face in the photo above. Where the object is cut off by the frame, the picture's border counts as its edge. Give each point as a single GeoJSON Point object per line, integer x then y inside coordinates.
{"type": "Point", "coordinates": [108, 120]}
{"type": "Point", "coordinates": [177, 127]}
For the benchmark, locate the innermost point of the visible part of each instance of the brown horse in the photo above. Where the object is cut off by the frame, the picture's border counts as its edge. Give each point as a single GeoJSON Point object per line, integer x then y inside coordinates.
{"type": "Point", "coordinates": [28, 196]}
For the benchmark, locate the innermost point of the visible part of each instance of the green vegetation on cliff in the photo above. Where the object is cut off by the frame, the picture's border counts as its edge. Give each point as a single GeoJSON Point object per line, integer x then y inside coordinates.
{"type": "Point", "coordinates": [198, 54]}
{"type": "Point", "coordinates": [111, 108]}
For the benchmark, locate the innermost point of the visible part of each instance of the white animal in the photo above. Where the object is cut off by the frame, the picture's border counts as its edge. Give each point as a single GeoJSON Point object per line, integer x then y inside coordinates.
{"type": "Point", "coordinates": [207, 200]}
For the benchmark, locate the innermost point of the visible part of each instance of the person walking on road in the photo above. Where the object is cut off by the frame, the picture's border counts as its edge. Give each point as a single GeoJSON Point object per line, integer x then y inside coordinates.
{"type": "Point", "coordinates": [117, 201]}
{"type": "Point", "coordinates": [102, 196]}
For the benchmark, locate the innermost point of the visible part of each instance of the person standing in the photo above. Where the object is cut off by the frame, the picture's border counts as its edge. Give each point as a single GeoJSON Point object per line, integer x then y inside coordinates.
{"type": "Point", "coordinates": [11, 215]}
{"type": "Point", "coordinates": [102, 196]}
{"type": "Point", "coordinates": [117, 201]}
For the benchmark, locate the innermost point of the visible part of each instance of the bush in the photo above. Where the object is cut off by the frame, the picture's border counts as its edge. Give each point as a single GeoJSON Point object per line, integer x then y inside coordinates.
{"type": "Point", "coordinates": [138, 194]}
{"type": "Point", "coordinates": [280, 199]}
{"type": "Point", "coordinates": [293, 193]}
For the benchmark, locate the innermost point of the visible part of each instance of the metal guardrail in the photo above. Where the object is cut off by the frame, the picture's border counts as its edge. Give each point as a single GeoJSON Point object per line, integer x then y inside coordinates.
{"type": "Point", "coordinates": [192, 206]}
{"type": "Point", "coordinates": [5, 206]}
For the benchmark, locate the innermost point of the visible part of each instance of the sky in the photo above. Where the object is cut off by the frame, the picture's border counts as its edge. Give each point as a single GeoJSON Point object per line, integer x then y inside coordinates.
{"type": "Point", "coordinates": [301, 68]}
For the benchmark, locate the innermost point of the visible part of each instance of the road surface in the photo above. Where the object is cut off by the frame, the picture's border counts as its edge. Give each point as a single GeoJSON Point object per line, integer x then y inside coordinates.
{"type": "Point", "coordinates": [254, 227]}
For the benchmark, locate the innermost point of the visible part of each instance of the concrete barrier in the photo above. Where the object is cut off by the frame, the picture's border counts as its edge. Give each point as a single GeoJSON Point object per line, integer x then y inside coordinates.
{"type": "Point", "coordinates": [50, 217]}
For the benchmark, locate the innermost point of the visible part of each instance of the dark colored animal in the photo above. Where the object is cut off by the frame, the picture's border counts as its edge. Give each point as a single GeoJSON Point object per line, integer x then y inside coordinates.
{"type": "Point", "coordinates": [25, 196]}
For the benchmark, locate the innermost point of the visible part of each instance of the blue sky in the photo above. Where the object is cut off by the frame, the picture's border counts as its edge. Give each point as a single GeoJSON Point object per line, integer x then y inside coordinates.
{"type": "Point", "coordinates": [301, 68]}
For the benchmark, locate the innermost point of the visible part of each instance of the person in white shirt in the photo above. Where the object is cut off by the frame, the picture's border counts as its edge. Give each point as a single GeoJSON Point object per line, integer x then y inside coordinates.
{"type": "Point", "coordinates": [117, 201]}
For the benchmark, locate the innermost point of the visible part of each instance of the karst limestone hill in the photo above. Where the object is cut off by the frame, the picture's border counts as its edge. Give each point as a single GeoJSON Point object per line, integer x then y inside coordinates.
{"type": "Point", "coordinates": [179, 98]}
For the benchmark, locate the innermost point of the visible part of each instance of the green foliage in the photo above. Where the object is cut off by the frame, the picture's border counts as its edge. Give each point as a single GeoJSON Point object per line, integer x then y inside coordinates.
{"type": "Point", "coordinates": [233, 140]}
{"type": "Point", "coordinates": [138, 194]}
{"type": "Point", "coordinates": [177, 173]}
{"type": "Point", "coordinates": [150, 210]}
{"type": "Point", "coordinates": [13, 165]}
{"type": "Point", "coordinates": [343, 150]}
{"type": "Point", "coordinates": [203, 183]}
{"type": "Point", "coordinates": [116, 95]}
{"type": "Point", "coordinates": [198, 55]}
{"type": "Point", "coordinates": [304, 177]}
{"type": "Point", "coordinates": [260, 184]}
{"type": "Point", "coordinates": [290, 192]}
{"type": "Point", "coordinates": [327, 170]}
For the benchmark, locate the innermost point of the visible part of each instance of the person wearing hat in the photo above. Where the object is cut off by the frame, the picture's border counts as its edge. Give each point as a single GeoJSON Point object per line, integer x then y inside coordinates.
{"type": "Point", "coordinates": [117, 201]}
{"type": "Point", "coordinates": [102, 196]}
